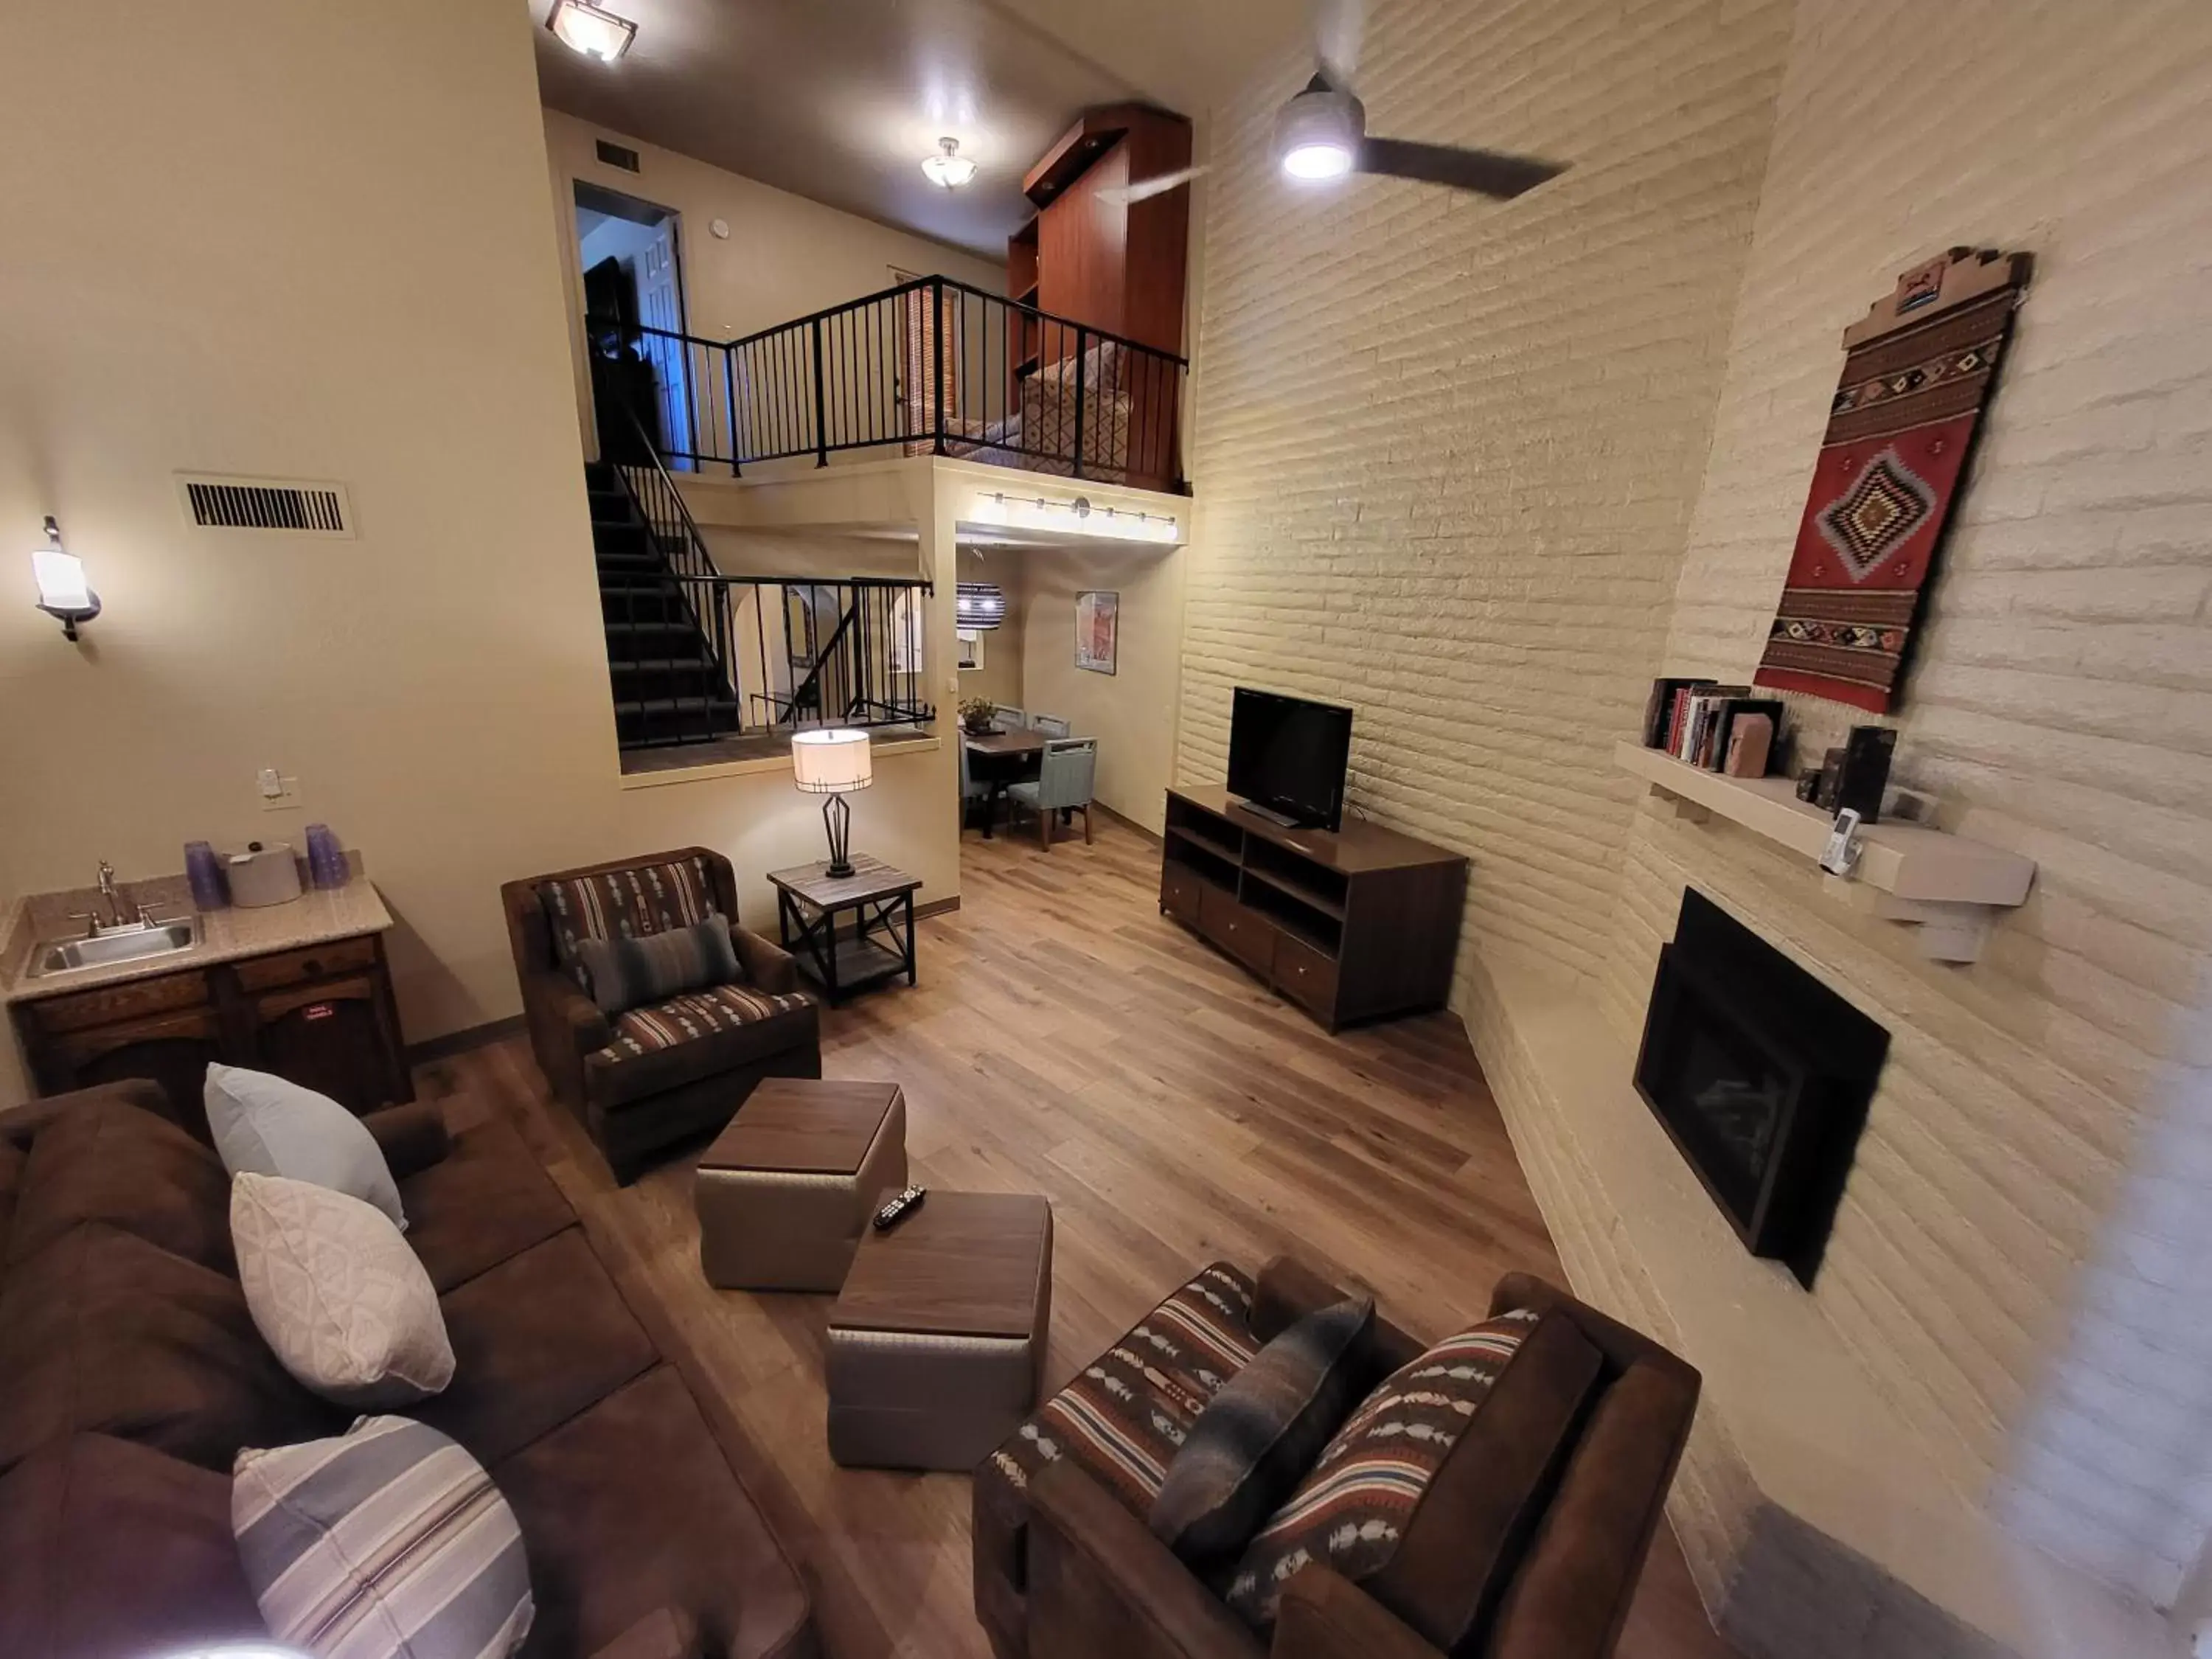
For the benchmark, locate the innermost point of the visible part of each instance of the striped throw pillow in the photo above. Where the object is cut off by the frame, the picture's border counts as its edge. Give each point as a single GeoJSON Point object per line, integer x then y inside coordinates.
{"type": "Point", "coordinates": [624, 974]}
{"type": "Point", "coordinates": [1351, 1512]}
{"type": "Point", "coordinates": [388, 1542]}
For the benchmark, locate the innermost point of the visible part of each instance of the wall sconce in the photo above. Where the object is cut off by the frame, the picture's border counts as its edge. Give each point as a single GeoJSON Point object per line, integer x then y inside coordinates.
{"type": "Point", "coordinates": [63, 590]}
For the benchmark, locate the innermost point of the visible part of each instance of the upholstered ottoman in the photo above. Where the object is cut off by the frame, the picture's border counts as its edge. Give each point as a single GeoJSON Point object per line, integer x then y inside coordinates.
{"type": "Point", "coordinates": [786, 1191]}
{"type": "Point", "coordinates": [937, 1340]}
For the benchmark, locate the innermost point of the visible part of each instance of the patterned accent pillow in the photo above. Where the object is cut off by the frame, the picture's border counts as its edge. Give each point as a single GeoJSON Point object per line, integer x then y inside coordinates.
{"type": "Point", "coordinates": [388, 1540]}
{"type": "Point", "coordinates": [1124, 1416]}
{"type": "Point", "coordinates": [622, 973]}
{"type": "Point", "coordinates": [648, 898]}
{"type": "Point", "coordinates": [1353, 1509]}
{"type": "Point", "coordinates": [1246, 1451]}
{"type": "Point", "coordinates": [337, 1294]}
{"type": "Point", "coordinates": [265, 1125]}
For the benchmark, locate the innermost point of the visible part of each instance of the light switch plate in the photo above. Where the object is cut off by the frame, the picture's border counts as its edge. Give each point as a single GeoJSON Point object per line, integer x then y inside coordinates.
{"type": "Point", "coordinates": [278, 794]}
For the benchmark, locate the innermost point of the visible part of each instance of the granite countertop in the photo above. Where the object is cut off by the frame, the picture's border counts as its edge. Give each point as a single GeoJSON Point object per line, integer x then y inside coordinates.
{"type": "Point", "coordinates": [318, 916]}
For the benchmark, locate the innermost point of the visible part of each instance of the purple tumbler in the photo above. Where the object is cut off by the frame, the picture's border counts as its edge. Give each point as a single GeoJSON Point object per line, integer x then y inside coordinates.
{"type": "Point", "coordinates": [204, 872]}
{"type": "Point", "coordinates": [327, 860]}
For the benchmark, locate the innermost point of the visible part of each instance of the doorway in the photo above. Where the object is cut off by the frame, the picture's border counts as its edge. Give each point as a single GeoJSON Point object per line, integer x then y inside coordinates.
{"type": "Point", "coordinates": [631, 257]}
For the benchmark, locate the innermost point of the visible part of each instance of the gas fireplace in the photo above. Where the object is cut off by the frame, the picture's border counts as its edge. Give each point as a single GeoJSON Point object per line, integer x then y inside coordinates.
{"type": "Point", "coordinates": [1761, 1074]}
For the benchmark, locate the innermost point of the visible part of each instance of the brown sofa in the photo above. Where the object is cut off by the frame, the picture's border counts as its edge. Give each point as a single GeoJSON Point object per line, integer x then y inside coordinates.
{"type": "Point", "coordinates": [1537, 1557]}
{"type": "Point", "coordinates": [131, 1373]}
{"type": "Point", "coordinates": [640, 1103]}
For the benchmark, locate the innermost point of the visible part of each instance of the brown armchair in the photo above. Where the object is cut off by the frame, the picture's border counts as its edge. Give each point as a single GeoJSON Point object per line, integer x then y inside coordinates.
{"type": "Point", "coordinates": [654, 1078]}
{"type": "Point", "coordinates": [1540, 1565]}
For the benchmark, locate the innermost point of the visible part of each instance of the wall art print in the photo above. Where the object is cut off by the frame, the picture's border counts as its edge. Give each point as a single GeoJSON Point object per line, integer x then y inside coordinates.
{"type": "Point", "coordinates": [1097, 630]}
{"type": "Point", "coordinates": [1918, 371]}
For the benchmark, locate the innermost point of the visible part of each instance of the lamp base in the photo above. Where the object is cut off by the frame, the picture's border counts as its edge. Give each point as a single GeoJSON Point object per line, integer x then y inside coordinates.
{"type": "Point", "coordinates": [837, 820]}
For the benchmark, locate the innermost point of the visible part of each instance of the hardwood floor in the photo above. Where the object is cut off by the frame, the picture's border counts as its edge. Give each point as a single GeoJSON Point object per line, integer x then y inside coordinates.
{"type": "Point", "coordinates": [1065, 1039]}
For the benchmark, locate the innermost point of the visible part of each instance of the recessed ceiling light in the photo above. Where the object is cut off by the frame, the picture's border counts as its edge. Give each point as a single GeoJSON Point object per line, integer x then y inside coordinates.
{"type": "Point", "coordinates": [949, 167]}
{"type": "Point", "coordinates": [584, 27]}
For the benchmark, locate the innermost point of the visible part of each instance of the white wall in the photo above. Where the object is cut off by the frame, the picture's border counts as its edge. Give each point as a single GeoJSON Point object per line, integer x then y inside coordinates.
{"type": "Point", "coordinates": [1131, 711]}
{"type": "Point", "coordinates": [212, 285]}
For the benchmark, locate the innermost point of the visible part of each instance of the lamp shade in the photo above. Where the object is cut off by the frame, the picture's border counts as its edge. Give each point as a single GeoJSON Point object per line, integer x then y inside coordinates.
{"type": "Point", "coordinates": [61, 580]}
{"type": "Point", "coordinates": [831, 762]}
{"type": "Point", "coordinates": [979, 607]}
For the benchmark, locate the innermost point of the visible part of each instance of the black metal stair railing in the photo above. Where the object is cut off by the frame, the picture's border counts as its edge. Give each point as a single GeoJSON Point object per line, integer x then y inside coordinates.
{"type": "Point", "coordinates": [929, 367]}
{"type": "Point", "coordinates": [697, 655]}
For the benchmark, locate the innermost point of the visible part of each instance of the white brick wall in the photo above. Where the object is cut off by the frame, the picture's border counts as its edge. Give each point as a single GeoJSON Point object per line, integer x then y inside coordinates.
{"type": "Point", "coordinates": [1481, 470]}
{"type": "Point", "coordinates": [1446, 449]}
{"type": "Point", "coordinates": [2062, 705]}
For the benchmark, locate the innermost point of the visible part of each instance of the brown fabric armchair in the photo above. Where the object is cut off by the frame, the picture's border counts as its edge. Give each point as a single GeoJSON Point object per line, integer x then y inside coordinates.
{"type": "Point", "coordinates": [654, 1078]}
{"type": "Point", "coordinates": [1535, 1557]}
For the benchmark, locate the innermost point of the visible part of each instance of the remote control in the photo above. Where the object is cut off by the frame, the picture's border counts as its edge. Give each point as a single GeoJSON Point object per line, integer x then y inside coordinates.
{"type": "Point", "coordinates": [903, 1205]}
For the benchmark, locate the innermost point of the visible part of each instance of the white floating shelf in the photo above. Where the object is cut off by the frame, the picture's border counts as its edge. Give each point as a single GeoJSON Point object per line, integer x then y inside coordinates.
{"type": "Point", "coordinates": [1943, 884]}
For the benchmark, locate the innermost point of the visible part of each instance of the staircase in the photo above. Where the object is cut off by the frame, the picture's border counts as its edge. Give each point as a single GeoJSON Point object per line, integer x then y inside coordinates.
{"type": "Point", "coordinates": [669, 687]}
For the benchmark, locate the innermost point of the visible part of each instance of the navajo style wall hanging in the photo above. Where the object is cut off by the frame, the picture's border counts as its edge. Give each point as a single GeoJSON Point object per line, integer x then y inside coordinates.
{"type": "Point", "coordinates": [1917, 372]}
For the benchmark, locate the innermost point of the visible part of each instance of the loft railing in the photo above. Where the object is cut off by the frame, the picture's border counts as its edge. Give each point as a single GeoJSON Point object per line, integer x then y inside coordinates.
{"type": "Point", "coordinates": [931, 366]}
{"type": "Point", "coordinates": [697, 655]}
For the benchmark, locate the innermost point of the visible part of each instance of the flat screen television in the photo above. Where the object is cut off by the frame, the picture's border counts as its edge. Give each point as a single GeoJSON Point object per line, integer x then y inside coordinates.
{"type": "Point", "coordinates": [1287, 756]}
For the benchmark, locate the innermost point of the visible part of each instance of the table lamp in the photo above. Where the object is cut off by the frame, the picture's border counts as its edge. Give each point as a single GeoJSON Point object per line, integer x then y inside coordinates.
{"type": "Point", "coordinates": [834, 763]}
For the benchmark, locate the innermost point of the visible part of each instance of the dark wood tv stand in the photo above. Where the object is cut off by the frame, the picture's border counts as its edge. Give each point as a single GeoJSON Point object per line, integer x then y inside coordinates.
{"type": "Point", "coordinates": [1354, 924]}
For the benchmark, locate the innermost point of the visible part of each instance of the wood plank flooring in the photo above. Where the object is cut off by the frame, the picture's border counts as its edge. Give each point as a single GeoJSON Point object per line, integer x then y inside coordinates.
{"type": "Point", "coordinates": [1066, 1039]}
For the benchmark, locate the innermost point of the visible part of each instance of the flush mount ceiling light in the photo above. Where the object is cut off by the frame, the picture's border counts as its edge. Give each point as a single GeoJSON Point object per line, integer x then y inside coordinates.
{"type": "Point", "coordinates": [949, 167]}
{"type": "Point", "coordinates": [1076, 517]}
{"type": "Point", "coordinates": [582, 27]}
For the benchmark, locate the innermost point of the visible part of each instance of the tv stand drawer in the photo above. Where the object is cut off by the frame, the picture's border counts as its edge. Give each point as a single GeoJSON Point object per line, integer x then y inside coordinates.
{"type": "Point", "coordinates": [1179, 894]}
{"type": "Point", "coordinates": [1305, 976]}
{"type": "Point", "coordinates": [1244, 934]}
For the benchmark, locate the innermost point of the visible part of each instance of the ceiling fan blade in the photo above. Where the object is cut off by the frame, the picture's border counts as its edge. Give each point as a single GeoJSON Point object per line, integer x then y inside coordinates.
{"type": "Point", "coordinates": [1144, 189]}
{"type": "Point", "coordinates": [1485, 171]}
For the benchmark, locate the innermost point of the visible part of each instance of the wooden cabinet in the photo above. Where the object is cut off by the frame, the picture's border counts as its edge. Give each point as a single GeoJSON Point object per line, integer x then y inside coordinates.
{"type": "Point", "coordinates": [322, 1016]}
{"type": "Point", "coordinates": [1361, 923]}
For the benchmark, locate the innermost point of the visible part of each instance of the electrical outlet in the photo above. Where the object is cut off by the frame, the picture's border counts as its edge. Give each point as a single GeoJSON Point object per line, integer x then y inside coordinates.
{"type": "Point", "coordinates": [278, 792]}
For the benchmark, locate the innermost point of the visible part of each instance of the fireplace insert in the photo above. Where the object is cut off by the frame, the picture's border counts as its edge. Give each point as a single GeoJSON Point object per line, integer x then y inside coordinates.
{"type": "Point", "coordinates": [1761, 1075]}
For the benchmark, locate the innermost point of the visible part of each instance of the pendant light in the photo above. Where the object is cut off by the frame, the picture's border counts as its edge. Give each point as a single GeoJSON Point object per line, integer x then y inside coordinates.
{"type": "Point", "coordinates": [979, 607]}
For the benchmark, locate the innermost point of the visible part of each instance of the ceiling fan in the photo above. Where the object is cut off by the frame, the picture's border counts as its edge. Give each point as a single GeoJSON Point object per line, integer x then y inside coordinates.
{"type": "Point", "coordinates": [1322, 133]}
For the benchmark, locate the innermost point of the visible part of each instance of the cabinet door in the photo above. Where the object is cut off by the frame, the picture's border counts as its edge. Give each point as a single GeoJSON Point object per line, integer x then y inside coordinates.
{"type": "Point", "coordinates": [331, 1038]}
{"type": "Point", "coordinates": [171, 1049]}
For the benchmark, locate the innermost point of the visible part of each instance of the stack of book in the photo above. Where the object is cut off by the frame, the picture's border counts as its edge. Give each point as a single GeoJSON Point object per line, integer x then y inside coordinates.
{"type": "Point", "coordinates": [1719, 728]}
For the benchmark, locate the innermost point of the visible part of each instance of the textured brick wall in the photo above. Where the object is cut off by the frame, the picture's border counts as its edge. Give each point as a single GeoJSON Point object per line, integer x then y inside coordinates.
{"type": "Point", "coordinates": [2048, 1106]}
{"type": "Point", "coordinates": [1448, 460]}
{"type": "Point", "coordinates": [1446, 449]}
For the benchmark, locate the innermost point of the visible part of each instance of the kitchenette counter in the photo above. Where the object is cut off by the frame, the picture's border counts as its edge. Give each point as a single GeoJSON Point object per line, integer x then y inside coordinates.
{"type": "Point", "coordinates": [318, 916]}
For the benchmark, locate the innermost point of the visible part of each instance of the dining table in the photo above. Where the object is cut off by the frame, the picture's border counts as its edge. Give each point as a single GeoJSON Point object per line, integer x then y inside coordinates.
{"type": "Point", "coordinates": [999, 756]}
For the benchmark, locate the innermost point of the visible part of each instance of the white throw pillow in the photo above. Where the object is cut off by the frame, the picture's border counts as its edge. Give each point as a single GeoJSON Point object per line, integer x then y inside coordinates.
{"type": "Point", "coordinates": [264, 1125]}
{"type": "Point", "coordinates": [388, 1540]}
{"type": "Point", "coordinates": [337, 1294]}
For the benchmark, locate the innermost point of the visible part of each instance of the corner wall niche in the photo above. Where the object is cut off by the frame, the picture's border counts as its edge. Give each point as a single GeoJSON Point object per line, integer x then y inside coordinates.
{"type": "Point", "coordinates": [1945, 886]}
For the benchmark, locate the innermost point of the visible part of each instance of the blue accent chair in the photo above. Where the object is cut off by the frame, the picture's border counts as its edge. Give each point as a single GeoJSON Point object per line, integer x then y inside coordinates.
{"type": "Point", "coordinates": [1064, 780]}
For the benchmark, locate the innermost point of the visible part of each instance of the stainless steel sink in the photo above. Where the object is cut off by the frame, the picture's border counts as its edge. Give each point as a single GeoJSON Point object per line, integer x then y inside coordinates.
{"type": "Point", "coordinates": [134, 943]}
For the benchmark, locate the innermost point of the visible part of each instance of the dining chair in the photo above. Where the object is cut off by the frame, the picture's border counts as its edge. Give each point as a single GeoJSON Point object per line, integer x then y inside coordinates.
{"type": "Point", "coordinates": [1064, 780]}
{"type": "Point", "coordinates": [1012, 719]}
{"type": "Point", "coordinates": [970, 790]}
{"type": "Point", "coordinates": [1051, 725]}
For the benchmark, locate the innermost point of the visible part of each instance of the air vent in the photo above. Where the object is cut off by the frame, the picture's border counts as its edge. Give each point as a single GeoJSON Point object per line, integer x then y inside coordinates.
{"type": "Point", "coordinates": [312, 508]}
{"type": "Point", "coordinates": [614, 156]}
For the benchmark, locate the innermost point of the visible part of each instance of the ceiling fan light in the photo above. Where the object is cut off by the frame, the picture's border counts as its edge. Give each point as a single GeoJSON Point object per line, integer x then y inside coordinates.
{"type": "Point", "coordinates": [949, 167]}
{"type": "Point", "coordinates": [591, 30]}
{"type": "Point", "coordinates": [1317, 135]}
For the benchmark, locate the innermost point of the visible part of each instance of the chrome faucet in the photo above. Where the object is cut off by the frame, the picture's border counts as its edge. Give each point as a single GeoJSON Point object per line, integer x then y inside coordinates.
{"type": "Point", "coordinates": [108, 891]}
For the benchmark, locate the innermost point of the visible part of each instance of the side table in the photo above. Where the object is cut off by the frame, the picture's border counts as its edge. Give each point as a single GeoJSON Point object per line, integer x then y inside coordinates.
{"type": "Point", "coordinates": [879, 943]}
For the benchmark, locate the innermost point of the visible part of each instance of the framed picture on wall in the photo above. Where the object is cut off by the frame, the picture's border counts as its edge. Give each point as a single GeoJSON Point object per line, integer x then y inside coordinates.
{"type": "Point", "coordinates": [1097, 624]}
